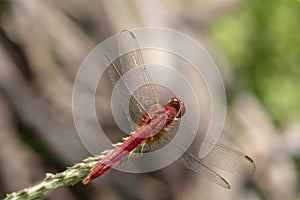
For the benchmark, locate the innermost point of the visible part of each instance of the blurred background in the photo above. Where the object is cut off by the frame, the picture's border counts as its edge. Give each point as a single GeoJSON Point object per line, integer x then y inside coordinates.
{"type": "Point", "coordinates": [256, 46]}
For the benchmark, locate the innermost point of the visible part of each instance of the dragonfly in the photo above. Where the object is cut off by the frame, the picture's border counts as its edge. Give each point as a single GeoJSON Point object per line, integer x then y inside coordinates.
{"type": "Point", "coordinates": [156, 123]}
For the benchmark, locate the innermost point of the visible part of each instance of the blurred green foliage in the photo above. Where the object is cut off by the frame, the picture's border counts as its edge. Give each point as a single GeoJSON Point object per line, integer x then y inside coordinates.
{"type": "Point", "coordinates": [261, 40]}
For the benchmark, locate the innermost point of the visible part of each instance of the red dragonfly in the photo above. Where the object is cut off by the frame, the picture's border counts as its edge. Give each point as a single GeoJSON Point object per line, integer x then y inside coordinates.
{"type": "Point", "coordinates": [155, 122]}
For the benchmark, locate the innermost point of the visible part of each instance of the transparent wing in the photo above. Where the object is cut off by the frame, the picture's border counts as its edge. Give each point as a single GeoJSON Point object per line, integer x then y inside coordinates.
{"type": "Point", "coordinates": [195, 164]}
{"type": "Point", "coordinates": [192, 162]}
{"type": "Point", "coordinates": [221, 155]}
{"type": "Point", "coordinates": [229, 159]}
{"type": "Point", "coordinates": [137, 82]}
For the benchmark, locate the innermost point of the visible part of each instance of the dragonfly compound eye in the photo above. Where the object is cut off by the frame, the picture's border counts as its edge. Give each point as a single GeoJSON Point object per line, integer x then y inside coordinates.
{"type": "Point", "coordinates": [178, 105]}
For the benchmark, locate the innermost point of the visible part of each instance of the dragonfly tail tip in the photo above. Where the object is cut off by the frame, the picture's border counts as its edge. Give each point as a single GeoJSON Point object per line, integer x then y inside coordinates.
{"type": "Point", "coordinates": [86, 180]}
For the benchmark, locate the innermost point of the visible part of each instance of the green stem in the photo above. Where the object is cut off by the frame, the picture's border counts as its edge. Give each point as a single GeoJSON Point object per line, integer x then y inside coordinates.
{"type": "Point", "coordinates": [69, 177]}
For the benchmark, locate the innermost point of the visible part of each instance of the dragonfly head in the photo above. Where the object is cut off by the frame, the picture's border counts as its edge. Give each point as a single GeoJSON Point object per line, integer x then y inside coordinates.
{"type": "Point", "coordinates": [178, 105]}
